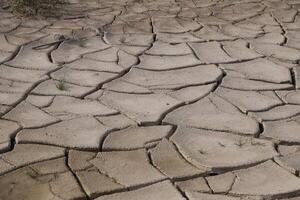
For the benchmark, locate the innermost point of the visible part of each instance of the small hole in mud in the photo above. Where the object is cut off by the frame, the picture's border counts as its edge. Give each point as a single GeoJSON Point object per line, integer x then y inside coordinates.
{"type": "Point", "coordinates": [213, 174]}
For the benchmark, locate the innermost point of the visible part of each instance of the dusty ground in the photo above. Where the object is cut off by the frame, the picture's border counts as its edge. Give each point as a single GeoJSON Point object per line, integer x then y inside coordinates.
{"type": "Point", "coordinates": [154, 100]}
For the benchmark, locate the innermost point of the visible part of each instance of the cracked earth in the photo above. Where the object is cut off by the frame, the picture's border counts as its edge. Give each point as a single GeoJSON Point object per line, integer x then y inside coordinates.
{"type": "Point", "coordinates": [152, 99]}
